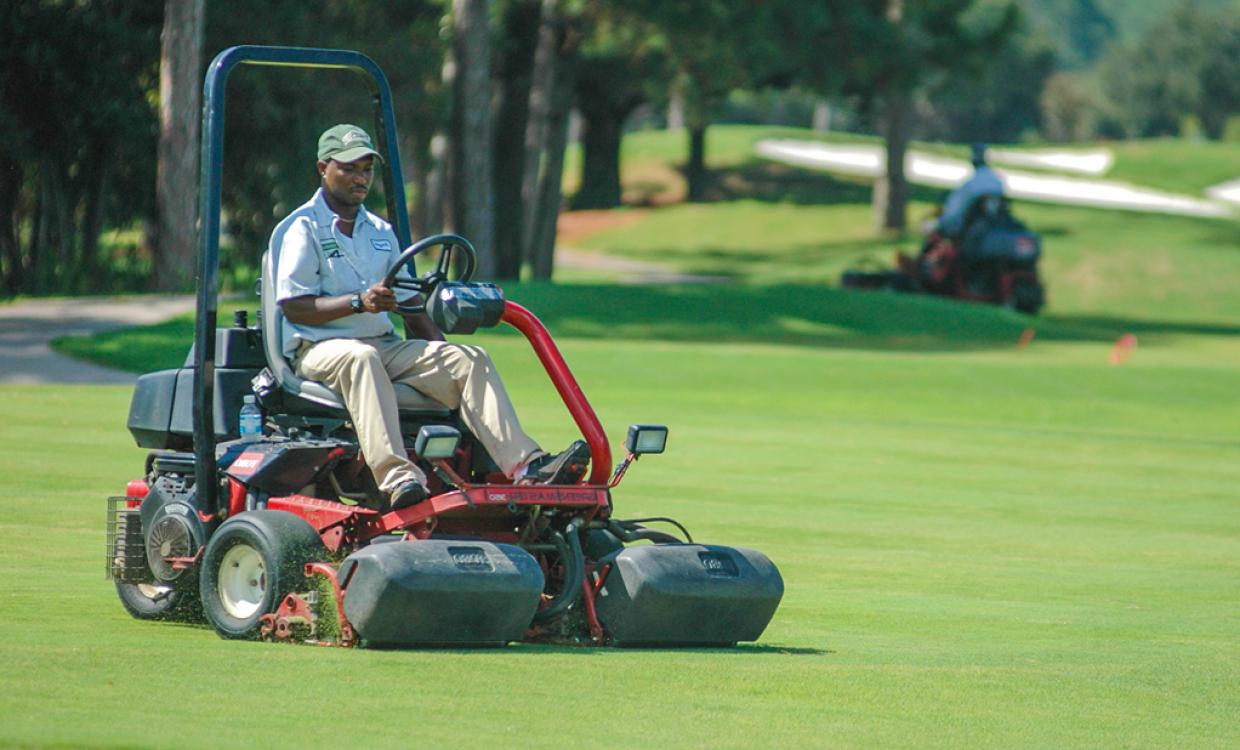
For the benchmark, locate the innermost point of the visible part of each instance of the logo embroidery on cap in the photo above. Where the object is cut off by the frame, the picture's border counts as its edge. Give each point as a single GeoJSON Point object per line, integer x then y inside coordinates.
{"type": "Point", "coordinates": [354, 135]}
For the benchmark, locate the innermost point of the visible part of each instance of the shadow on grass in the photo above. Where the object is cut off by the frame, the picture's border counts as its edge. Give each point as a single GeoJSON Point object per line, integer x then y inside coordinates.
{"type": "Point", "coordinates": [789, 314]}
{"type": "Point", "coordinates": [804, 315]}
{"type": "Point", "coordinates": [1120, 325]}
{"type": "Point", "coordinates": [825, 259]}
{"type": "Point", "coordinates": [771, 182]}
{"type": "Point", "coordinates": [744, 649]}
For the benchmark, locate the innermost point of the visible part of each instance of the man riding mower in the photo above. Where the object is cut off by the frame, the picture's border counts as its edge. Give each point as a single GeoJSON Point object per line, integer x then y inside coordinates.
{"type": "Point", "coordinates": [298, 533]}
{"type": "Point", "coordinates": [977, 251]}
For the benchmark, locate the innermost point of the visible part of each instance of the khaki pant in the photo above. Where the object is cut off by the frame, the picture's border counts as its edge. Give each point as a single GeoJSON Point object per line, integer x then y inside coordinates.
{"type": "Point", "coordinates": [458, 376]}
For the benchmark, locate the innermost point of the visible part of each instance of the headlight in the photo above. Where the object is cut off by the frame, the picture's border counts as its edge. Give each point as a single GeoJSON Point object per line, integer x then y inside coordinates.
{"type": "Point", "coordinates": [436, 441]}
{"type": "Point", "coordinates": [646, 438]}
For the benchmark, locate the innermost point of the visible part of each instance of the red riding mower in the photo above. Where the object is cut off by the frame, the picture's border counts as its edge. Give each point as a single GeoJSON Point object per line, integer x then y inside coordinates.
{"type": "Point", "coordinates": [994, 260]}
{"type": "Point", "coordinates": [270, 536]}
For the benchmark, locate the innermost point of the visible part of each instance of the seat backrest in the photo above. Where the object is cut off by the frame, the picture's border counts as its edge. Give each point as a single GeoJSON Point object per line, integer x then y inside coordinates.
{"type": "Point", "coordinates": [273, 338]}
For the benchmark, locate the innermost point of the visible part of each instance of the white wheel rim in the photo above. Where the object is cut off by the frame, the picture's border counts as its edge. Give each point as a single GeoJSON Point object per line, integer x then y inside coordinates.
{"type": "Point", "coordinates": [242, 581]}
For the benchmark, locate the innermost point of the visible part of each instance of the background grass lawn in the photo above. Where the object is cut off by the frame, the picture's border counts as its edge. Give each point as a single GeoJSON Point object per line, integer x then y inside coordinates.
{"type": "Point", "coordinates": [983, 546]}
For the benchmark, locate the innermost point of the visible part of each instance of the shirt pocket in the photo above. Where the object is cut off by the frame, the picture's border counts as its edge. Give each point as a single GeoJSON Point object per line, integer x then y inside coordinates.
{"type": "Point", "coordinates": [339, 276]}
{"type": "Point", "coordinates": [378, 259]}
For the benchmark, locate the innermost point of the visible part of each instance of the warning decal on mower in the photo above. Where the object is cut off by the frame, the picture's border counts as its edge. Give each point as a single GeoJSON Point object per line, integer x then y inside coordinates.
{"type": "Point", "coordinates": [545, 496]}
{"type": "Point", "coordinates": [246, 464]}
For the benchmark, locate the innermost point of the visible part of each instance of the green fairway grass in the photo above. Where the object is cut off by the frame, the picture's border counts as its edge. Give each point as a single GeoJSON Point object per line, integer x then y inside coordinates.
{"type": "Point", "coordinates": [981, 548]}
{"type": "Point", "coordinates": [1185, 166]}
{"type": "Point", "coordinates": [983, 545]}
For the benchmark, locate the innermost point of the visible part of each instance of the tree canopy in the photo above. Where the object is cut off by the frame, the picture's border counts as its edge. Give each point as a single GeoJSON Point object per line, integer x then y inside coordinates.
{"type": "Point", "coordinates": [80, 103]}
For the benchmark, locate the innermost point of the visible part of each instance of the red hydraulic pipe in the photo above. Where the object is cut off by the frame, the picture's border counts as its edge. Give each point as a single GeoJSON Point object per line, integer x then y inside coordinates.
{"type": "Point", "coordinates": [583, 414]}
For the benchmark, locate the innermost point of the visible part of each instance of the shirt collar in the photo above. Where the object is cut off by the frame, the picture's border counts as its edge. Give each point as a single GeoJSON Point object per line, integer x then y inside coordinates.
{"type": "Point", "coordinates": [324, 213]}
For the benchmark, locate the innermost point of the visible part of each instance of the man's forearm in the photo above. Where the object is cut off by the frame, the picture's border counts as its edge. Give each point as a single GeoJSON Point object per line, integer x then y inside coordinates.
{"type": "Point", "coordinates": [312, 310]}
{"type": "Point", "coordinates": [315, 311]}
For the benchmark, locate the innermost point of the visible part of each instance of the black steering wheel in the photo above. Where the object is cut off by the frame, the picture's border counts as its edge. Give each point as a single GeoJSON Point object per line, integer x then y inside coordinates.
{"type": "Point", "coordinates": [425, 285]}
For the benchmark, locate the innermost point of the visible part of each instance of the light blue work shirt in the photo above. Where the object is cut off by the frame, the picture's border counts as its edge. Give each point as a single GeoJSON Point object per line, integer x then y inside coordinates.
{"type": "Point", "coordinates": [316, 258]}
{"type": "Point", "coordinates": [984, 182]}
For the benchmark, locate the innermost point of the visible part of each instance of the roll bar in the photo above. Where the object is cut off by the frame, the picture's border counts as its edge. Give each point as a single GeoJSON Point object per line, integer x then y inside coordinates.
{"type": "Point", "coordinates": [210, 178]}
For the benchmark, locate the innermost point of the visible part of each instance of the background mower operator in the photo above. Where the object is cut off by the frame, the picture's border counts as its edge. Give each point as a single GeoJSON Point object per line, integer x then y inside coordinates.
{"type": "Point", "coordinates": [333, 256]}
{"type": "Point", "coordinates": [983, 183]}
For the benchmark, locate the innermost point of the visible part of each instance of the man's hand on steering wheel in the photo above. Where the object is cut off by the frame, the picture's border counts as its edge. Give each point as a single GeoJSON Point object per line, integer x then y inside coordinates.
{"type": "Point", "coordinates": [378, 298]}
{"type": "Point", "coordinates": [426, 284]}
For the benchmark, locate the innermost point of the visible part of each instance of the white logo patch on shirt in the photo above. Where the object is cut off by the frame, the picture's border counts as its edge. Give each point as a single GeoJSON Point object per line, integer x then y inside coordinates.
{"type": "Point", "coordinates": [382, 245]}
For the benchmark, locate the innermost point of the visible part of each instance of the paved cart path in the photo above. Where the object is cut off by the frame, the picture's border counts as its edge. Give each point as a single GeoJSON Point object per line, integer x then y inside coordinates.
{"type": "Point", "coordinates": [27, 328]}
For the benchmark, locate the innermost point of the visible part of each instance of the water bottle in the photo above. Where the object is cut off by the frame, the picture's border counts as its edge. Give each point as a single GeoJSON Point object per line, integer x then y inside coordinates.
{"type": "Point", "coordinates": [251, 419]}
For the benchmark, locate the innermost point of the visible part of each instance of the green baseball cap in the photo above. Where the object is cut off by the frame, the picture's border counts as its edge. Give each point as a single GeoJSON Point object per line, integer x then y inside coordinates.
{"type": "Point", "coordinates": [346, 143]}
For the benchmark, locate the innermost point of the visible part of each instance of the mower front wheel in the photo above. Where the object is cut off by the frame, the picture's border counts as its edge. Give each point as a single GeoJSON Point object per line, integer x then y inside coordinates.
{"type": "Point", "coordinates": [251, 563]}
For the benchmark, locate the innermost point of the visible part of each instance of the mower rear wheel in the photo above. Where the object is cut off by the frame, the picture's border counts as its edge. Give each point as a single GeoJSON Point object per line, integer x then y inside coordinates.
{"type": "Point", "coordinates": [1028, 296]}
{"type": "Point", "coordinates": [159, 601]}
{"type": "Point", "coordinates": [251, 563]}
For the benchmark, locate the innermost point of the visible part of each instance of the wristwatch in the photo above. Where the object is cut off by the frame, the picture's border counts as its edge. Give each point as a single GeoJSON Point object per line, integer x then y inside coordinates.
{"type": "Point", "coordinates": [355, 302]}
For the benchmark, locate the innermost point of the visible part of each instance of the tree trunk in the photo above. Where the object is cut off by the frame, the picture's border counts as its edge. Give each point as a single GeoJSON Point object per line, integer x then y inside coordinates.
{"type": "Point", "coordinates": [822, 116]}
{"type": "Point", "coordinates": [180, 65]}
{"type": "Point", "coordinates": [675, 109]}
{"type": "Point", "coordinates": [549, 194]}
{"type": "Point", "coordinates": [86, 268]}
{"type": "Point", "coordinates": [600, 167]}
{"type": "Point", "coordinates": [537, 128]}
{"type": "Point", "coordinates": [52, 251]}
{"type": "Point", "coordinates": [39, 229]}
{"type": "Point", "coordinates": [696, 171]}
{"type": "Point", "coordinates": [878, 204]}
{"type": "Point", "coordinates": [11, 276]}
{"type": "Point", "coordinates": [474, 172]}
{"type": "Point", "coordinates": [515, 66]}
{"type": "Point", "coordinates": [698, 106]}
{"type": "Point", "coordinates": [437, 185]}
{"type": "Point", "coordinates": [895, 126]}
{"type": "Point", "coordinates": [418, 164]}
{"type": "Point", "coordinates": [895, 129]}
{"type": "Point", "coordinates": [509, 160]}
{"type": "Point", "coordinates": [63, 235]}
{"type": "Point", "coordinates": [445, 185]}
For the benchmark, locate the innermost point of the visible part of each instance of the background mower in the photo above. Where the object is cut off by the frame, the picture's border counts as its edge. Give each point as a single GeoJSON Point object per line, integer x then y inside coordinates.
{"type": "Point", "coordinates": [994, 260]}
{"type": "Point", "coordinates": [270, 536]}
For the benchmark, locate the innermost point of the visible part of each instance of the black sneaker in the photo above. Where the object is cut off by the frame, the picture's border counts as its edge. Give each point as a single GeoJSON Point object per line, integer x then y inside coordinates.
{"type": "Point", "coordinates": [567, 467]}
{"type": "Point", "coordinates": [406, 495]}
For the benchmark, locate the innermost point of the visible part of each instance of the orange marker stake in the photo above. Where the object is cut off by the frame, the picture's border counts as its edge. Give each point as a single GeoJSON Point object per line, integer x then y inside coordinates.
{"type": "Point", "coordinates": [1026, 336]}
{"type": "Point", "coordinates": [1123, 347]}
